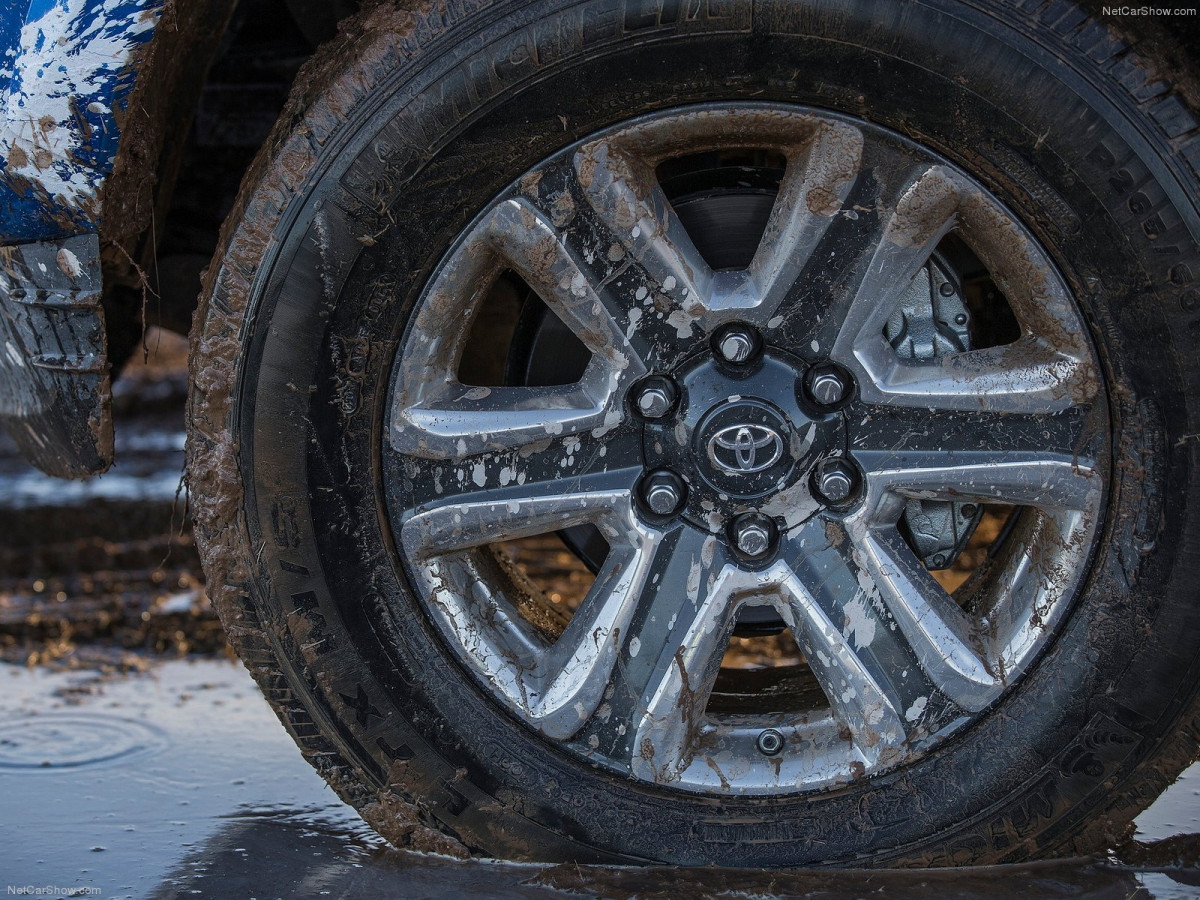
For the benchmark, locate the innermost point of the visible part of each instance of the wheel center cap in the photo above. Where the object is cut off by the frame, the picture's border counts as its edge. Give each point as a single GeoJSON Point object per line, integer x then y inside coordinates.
{"type": "Point", "coordinates": [742, 442]}
{"type": "Point", "coordinates": [747, 447]}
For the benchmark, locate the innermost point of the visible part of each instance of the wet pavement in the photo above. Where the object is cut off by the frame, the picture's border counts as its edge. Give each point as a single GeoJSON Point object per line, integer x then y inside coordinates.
{"type": "Point", "coordinates": [179, 782]}
{"type": "Point", "coordinates": [137, 760]}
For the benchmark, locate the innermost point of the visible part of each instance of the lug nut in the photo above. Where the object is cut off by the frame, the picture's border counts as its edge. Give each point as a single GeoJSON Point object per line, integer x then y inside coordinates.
{"type": "Point", "coordinates": [737, 343]}
{"type": "Point", "coordinates": [835, 480]}
{"type": "Point", "coordinates": [655, 396]}
{"type": "Point", "coordinates": [663, 492]}
{"type": "Point", "coordinates": [753, 534]}
{"type": "Point", "coordinates": [663, 498]}
{"type": "Point", "coordinates": [736, 347]}
{"type": "Point", "coordinates": [770, 742]}
{"type": "Point", "coordinates": [827, 385]}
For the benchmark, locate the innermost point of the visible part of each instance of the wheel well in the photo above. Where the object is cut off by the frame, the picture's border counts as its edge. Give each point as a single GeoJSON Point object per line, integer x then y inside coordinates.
{"type": "Point", "coordinates": [209, 90]}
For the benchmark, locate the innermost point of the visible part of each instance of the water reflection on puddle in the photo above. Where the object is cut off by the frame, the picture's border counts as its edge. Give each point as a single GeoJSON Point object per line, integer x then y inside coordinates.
{"type": "Point", "coordinates": [182, 783]}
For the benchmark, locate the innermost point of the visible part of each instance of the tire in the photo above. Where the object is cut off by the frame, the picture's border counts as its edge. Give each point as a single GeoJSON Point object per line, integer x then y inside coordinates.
{"type": "Point", "coordinates": [398, 139]}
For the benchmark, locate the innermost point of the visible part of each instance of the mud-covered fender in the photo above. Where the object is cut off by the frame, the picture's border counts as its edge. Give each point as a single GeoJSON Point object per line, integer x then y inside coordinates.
{"type": "Point", "coordinates": [67, 68]}
{"type": "Point", "coordinates": [54, 380]}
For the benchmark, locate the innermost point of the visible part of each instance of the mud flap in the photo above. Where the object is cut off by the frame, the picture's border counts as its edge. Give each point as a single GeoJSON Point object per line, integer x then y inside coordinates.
{"type": "Point", "coordinates": [55, 391]}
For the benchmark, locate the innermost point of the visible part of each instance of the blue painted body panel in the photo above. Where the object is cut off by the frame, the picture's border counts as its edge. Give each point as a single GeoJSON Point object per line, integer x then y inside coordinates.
{"type": "Point", "coordinates": [66, 71]}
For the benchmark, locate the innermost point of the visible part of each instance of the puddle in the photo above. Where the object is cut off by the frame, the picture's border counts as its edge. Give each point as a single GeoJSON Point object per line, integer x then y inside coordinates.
{"type": "Point", "coordinates": [51, 743]}
{"type": "Point", "coordinates": [202, 794]}
{"type": "Point", "coordinates": [212, 756]}
{"type": "Point", "coordinates": [1176, 812]}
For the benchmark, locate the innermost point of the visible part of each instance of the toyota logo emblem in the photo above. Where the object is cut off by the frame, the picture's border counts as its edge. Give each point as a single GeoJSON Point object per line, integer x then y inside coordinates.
{"type": "Point", "coordinates": [745, 449]}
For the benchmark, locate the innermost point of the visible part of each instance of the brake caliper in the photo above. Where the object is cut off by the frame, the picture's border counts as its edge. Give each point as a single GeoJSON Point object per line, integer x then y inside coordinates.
{"type": "Point", "coordinates": [931, 321]}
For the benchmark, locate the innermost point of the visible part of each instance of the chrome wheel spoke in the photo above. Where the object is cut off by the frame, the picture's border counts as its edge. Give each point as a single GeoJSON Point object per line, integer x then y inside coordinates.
{"type": "Point", "coordinates": [1018, 479]}
{"type": "Point", "coordinates": [660, 262]}
{"type": "Point", "coordinates": [820, 171]}
{"type": "Point", "coordinates": [435, 416]}
{"type": "Point", "coordinates": [1026, 376]}
{"type": "Point", "coordinates": [543, 256]}
{"type": "Point", "coordinates": [954, 656]}
{"type": "Point", "coordinates": [674, 653]}
{"type": "Point", "coordinates": [578, 671]}
{"type": "Point", "coordinates": [554, 687]}
{"type": "Point", "coordinates": [460, 421]}
{"type": "Point", "coordinates": [1046, 369]}
{"type": "Point", "coordinates": [815, 184]}
{"type": "Point", "coordinates": [476, 518]}
{"type": "Point", "coordinates": [620, 183]}
{"type": "Point", "coordinates": [847, 636]}
{"type": "Point", "coordinates": [635, 279]}
{"type": "Point", "coordinates": [1021, 459]}
{"type": "Point", "coordinates": [897, 249]}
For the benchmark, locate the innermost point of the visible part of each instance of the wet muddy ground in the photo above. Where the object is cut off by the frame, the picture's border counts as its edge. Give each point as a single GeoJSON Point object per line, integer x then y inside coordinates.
{"type": "Point", "coordinates": [137, 759]}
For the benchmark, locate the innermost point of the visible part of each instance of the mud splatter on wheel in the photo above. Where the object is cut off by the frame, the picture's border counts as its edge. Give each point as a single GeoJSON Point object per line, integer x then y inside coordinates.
{"type": "Point", "coordinates": [738, 435]}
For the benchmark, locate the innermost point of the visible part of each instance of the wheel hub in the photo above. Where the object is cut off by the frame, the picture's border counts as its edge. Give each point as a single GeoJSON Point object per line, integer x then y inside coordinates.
{"type": "Point", "coordinates": [744, 439]}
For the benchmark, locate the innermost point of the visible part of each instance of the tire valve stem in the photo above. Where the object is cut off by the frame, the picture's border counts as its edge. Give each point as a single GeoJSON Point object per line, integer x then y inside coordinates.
{"type": "Point", "coordinates": [770, 742]}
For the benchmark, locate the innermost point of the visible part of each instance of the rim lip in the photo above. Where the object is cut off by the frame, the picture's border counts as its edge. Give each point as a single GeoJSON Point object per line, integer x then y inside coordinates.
{"type": "Point", "coordinates": [417, 574]}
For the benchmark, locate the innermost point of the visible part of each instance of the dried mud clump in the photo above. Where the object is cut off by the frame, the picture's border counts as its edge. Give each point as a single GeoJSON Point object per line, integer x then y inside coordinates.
{"type": "Point", "coordinates": [400, 822]}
